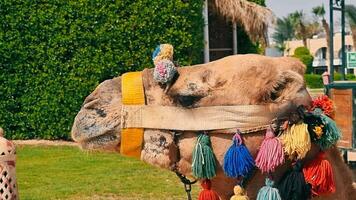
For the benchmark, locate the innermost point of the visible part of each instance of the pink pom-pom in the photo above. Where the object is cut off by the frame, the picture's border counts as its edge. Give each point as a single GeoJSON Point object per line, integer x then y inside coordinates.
{"type": "Point", "coordinates": [270, 154]}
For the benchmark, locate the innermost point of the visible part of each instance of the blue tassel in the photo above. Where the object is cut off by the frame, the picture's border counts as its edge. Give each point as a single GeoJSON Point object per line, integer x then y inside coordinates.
{"type": "Point", "coordinates": [238, 160]}
{"type": "Point", "coordinates": [268, 192]}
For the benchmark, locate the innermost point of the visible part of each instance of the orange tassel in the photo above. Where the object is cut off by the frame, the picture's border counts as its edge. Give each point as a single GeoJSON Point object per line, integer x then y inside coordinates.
{"type": "Point", "coordinates": [318, 173]}
{"type": "Point", "coordinates": [207, 193]}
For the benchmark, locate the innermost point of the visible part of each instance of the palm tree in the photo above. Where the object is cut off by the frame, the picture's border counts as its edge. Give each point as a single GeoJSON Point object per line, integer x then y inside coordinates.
{"type": "Point", "coordinates": [351, 16]}
{"type": "Point", "coordinates": [319, 12]}
{"type": "Point", "coordinates": [300, 26]}
{"type": "Point", "coordinates": [284, 31]}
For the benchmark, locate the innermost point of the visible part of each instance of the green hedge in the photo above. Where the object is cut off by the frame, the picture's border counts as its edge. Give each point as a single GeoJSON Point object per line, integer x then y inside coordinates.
{"type": "Point", "coordinates": [53, 53]}
{"type": "Point", "coordinates": [316, 81]}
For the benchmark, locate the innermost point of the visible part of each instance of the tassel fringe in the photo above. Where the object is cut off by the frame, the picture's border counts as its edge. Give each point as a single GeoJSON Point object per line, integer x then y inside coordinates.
{"type": "Point", "coordinates": [204, 164]}
{"type": "Point", "coordinates": [207, 193]}
{"type": "Point", "coordinates": [331, 135]}
{"type": "Point", "coordinates": [296, 141]}
{"type": "Point", "coordinates": [238, 160]}
{"type": "Point", "coordinates": [319, 174]}
{"type": "Point", "coordinates": [293, 185]}
{"type": "Point", "coordinates": [239, 194]}
{"type": "Point", "coordinates": [270, 154]}
{"type": "Point", "coordinates": [268, 192]}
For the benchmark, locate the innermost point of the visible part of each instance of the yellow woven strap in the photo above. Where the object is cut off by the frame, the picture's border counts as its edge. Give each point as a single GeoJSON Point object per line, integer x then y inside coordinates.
{"type": "Point", "coordinates": [132, 94]}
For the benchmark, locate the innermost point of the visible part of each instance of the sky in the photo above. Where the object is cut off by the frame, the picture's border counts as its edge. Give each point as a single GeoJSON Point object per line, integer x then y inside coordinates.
{"type": "Point", "coordinates": [284, 7]}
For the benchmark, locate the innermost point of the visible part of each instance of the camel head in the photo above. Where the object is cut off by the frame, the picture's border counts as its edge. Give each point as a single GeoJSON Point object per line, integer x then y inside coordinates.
{"type": "Point", "coordinates": [275, 83]}
{"type": "Point", "coordinates": [235, 80]}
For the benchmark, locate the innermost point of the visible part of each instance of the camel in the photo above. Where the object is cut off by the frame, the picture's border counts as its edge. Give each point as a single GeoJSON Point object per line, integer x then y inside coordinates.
{"type": "Point", "coordinates": [235, 80]}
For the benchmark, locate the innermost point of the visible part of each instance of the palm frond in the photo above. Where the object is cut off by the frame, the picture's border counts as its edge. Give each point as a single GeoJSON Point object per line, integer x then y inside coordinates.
{"type": "Point", "coordinates": [350, 11]}
{"type": "Point", "coordinates": [255, 19]}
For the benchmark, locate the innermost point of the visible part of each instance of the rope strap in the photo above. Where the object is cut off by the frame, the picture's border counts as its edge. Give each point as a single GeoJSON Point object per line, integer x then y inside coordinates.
{"type": "Point", "coordinates": [196, 119]}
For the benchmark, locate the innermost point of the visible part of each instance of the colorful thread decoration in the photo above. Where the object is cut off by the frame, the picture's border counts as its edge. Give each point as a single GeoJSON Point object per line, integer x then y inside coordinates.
{"type": "Point", "coordinates": [324, 103]}
{"type": "Point", "coordinates": [318, 173]}
{"type": "Point", "coordinates": [271, 153]}
{"type": "Point", "coordinates": [296, 141]}
{"type": "Point", "coordinates": [204, 164]}
{"type": "Point", "coordinates": [315, 178]}
{"type": "Point", "coordinates": [238, 160]}
{"type": "Point", "coordinates": [163, 51]}
{"type": "Point", "coordinates": [207, 193]}
{"type": "Point", "coordinates": [239, 194]}
{"type": "Point", "coordinates": [165, 70]}
{"type": "Point", "coordinates": [331, 133]}
{"type": "Point", "coordinates": [293, 185]}
{"type": "Point", "coordinates": [268, 192]}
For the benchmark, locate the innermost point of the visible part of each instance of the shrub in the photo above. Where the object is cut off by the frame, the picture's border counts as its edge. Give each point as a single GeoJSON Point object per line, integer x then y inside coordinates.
{"type": "Point", "coordinates": [314, 81]}
{"type": "Point", "coordinates": [337, 77]}
{"type": "Point", "coordinates": [303, 54]}
{"type": "Point", "coordinates": [54, 53]}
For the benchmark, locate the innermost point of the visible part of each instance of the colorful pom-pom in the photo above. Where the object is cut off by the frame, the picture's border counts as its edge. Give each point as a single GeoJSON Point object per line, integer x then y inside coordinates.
{"type": "Point", "coordinates": [296, 140]}
{"type": "Point", "coordinates": [238, 160]}
{"type": "Point", "coordinates": [331, 133]}
{"type": "Point", "coordinates": [204, 164]}
{"type": "Point", "coordinates": [163, 51]}
{"type": "Point", "coordinates": [324, 103]}
{"type": "Point", "coordinates": [270, 154]}
{"type": "Point", "coordinates": [207, 193]}
{"type": "Point", "coordinates": [293, 185]}
{"type": "Point", "coordinates": [268, 192]}
{"type": "Point", "coordinates": [318, 173]}
{"type": "Point", "coordinates": [164, 71]}
{"type": "Point", "coordinates": [239, 194]}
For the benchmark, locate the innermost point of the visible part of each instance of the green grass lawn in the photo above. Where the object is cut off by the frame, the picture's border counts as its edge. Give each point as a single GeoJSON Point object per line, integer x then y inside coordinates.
{"type": "Point", "coordinates": [69, 173]}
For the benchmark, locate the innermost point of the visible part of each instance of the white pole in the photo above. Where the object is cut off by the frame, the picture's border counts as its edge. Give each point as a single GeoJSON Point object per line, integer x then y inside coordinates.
{"type": "Point", "coordinates": [234, 38]}
{"type": "Point", "coordinates": [206, 32]}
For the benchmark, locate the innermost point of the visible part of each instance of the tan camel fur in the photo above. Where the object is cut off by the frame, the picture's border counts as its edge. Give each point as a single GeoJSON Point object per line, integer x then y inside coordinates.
{"type": "Point", "coordinates": [234, 80]}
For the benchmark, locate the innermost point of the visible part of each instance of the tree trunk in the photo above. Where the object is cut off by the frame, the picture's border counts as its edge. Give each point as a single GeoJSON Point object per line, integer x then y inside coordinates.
{"type": "Point", "coordinates": [327, 33]}
{"type": "Point", "coordinates": [303, 32]}
{"type": "Point", "coordinates": [353, 31]}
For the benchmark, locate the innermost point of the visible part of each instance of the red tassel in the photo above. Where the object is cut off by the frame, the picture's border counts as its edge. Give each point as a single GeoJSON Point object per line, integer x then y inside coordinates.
{"type": "Point", "coordinates": [207, 193]}
{"type": "Point", "coordinates": [319, 174]}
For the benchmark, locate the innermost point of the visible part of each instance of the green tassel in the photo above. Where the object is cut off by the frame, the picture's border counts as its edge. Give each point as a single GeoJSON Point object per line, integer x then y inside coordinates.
{"type": "Point", "coordinates": [204, 164]}
{"type": "Point", "coordinates": [331, 133]}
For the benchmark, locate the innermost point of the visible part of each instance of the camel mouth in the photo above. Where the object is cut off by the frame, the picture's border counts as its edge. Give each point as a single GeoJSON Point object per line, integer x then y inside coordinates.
{"type": "Point", "coordinates": [109, 142]}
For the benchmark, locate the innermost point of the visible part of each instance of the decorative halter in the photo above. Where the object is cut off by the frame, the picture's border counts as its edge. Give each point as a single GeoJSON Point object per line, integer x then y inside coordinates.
{"type": "Point", "coordinates": [292, 141]}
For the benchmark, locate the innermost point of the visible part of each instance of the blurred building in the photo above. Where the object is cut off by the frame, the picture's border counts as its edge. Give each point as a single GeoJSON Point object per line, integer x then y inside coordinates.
{"type": "Point", "coordinates": [318, 49]}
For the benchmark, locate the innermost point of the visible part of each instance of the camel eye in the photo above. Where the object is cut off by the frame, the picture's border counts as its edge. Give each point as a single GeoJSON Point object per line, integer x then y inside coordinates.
{"type": "Point", "coordinates": [277, 91]}
{"type": "Point", "coordinates": [187, 100]}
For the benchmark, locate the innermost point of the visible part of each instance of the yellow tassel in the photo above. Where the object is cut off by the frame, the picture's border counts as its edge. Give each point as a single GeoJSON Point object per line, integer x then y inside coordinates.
{"type": "Point", "coordinates": [239, 194]}
{"type": "Point", "coordinates": [296, 140]}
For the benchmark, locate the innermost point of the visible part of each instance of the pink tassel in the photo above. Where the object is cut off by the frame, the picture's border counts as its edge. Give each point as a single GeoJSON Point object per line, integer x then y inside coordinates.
{"type": "Point", "coordinates": [270, 154]}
